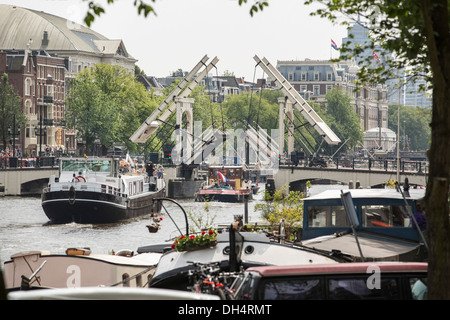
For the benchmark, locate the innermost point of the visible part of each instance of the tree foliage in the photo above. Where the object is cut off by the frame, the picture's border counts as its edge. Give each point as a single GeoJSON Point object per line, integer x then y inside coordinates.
{"type": "Point", "coordinates": [345, 122]}
{"type": "Point", "coordinates": [413, 36]}
{"type": "Point", "coordinates": [414, 124]}
{"type": "Point", "coordinates": [105, 102]}
{"type": "Point", "coordinates": [10, 105]}
{"type": "Point", "coordinates": [283, 206]}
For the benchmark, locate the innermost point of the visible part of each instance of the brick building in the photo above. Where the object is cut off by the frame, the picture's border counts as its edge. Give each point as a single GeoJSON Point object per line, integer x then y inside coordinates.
{"type": "Point", "coordinates": [39, 79]}
{"type": "Point", "coordinates": [41, 52]}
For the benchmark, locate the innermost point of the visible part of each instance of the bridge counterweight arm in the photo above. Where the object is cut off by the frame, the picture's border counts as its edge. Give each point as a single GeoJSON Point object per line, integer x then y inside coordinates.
{"type": "Point", "coordinates": [143, 133]}
{"type": "Point", "coordinates": [298, 102]}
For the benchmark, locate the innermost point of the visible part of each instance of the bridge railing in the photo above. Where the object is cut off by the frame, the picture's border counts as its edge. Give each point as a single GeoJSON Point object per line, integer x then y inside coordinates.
{"type": "Point", "coordinates": [15, 162]}
{"type": "Point", "coordinates": [389, 165]}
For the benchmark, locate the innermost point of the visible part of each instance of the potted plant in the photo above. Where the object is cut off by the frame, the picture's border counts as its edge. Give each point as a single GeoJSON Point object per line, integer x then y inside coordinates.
{"type": "Point", "coordinates": [197, 241]}
{"type": "Point", "coordinates": [154, 227]}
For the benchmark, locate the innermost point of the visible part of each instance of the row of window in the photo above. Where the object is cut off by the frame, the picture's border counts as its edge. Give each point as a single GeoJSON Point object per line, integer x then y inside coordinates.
{"type": "Point", "coordinates": [56, 92]}
{"type": "Point", "coordinates": [56, 72]}
{"type": "Point", "coordinates": [342, 288]}
{"type": "Point", "coordinates": [315, 76]}
{"type": "Point", "coordinates": [372, 216]}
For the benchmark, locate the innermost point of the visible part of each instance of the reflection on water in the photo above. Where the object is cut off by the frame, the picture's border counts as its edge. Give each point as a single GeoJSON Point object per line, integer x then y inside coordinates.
{"type": "Point", "coordinates": [24, 226]}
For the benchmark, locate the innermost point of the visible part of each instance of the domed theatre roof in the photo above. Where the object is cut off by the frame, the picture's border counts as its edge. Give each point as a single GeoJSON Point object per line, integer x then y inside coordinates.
{"type": "Point", "coordinates": [19, 25]}
{"type": "Point", "coordinates": [375, 133]}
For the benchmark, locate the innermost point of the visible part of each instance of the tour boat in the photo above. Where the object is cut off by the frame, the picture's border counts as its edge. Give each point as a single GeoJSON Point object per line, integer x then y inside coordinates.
{"type": "Point", "coordinates": [98, 190]}
{"type": "Point", "coordinates": [225, 184]}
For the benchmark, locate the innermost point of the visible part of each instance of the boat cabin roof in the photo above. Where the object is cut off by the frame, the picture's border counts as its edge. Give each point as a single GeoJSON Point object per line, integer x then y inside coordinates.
{"type": "Point", "coordinates": [415, 194]}
{"type": "Point", "coordinates": [339, 268]}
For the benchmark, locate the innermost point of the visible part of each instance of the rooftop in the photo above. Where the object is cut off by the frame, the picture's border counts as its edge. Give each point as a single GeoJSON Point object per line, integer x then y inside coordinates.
{"type": "Point", "coordinates": [20, 25]}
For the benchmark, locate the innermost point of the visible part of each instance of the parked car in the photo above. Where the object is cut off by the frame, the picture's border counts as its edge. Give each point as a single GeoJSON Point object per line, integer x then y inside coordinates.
{"type": "Point", "coordinates": [343, 281]}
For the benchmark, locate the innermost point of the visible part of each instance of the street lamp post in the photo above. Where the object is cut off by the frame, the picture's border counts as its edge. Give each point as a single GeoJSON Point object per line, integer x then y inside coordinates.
{"type": "Point", "coordinates": [14, 134]}
{"type": "Point", "coordinates": [40, 134]}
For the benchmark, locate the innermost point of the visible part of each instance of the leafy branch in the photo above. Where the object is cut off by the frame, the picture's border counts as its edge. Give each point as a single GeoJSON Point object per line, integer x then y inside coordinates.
{"type": "Point", "coordinates": [96, 10]}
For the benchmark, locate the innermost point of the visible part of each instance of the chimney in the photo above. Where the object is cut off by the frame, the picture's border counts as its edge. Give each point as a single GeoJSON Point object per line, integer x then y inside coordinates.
{"type": "Point", "coordinates": [44, 42]}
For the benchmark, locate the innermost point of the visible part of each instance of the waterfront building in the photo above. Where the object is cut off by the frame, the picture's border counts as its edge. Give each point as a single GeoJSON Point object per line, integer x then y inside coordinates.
{"type": "Point", "coordinates": [39, 80]}
{"type": "Point", "coordinates": [314, 78]}
{"type": "Point", "coordinates": [40, 52]}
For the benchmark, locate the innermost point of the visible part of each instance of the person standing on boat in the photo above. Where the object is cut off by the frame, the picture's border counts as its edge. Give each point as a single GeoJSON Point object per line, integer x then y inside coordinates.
{"type": "Point", "coordinates": [420, 218]}
{"type": "Point", "coordinates": [149, 169]}
{"type": "Point", "coordinates": [160, 172]}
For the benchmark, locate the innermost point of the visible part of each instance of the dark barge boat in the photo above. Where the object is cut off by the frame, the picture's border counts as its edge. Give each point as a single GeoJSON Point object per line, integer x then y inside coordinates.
{"type": "Point", "coordinates": [93, 190]}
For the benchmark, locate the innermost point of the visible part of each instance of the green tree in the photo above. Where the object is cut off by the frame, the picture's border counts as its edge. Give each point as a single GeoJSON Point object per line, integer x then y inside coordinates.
{"type": "Point", "coordinates": [10, 105]}
{"type": "Point", "coordinates": [107, 103]}
{"type": "Point", "coordinates": [345, 122]}
{"type": "Point", "coordinates": [286, 206]}
{"type": "Point", "coordinates": [251, 108]}
{"type": "Point", "coordinates": [91, 112]}
{"type": "Point", "coordinates": [414, 35]}
{"type": "Point", "coordinates": [414, 123]}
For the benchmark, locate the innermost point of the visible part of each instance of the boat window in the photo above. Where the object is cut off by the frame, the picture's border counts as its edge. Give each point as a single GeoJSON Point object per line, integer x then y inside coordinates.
{"type": "Point", "coordinates": [292, 289]}
{"type": "Point", "coordinates": [327, 216]}
{"type": "Point", "coordinates": [360, 287]}
{"type": "Point", "coordinates": [419, 288]}
{"type": "Point", "coordinates": [85, 165]}
{"type": "Point", "coordinates": [385, 216]}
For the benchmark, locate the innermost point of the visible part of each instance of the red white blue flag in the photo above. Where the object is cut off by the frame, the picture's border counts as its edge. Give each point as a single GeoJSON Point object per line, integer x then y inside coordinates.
{"type": "Point", "coordinates": [334, 45]}
{"type": "Point", "coordinates": [222, 177]}
{"type": "Point", "coordinates": [375, 56]}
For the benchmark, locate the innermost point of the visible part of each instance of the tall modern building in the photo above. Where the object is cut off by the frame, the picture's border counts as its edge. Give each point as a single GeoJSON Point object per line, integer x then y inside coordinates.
{"type": "Point", "coordinates": [409, 94]}
{"type": "Point", "coordinates": [40, 52]}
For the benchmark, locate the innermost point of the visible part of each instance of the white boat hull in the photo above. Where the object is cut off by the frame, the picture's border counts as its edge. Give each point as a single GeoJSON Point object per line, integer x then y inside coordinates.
{"type": "Point", "coordinates": [75, 271]}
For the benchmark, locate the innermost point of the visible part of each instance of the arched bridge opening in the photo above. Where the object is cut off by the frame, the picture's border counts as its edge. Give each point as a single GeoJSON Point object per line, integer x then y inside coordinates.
{"type": "Point", "coordinates": [33, 187]}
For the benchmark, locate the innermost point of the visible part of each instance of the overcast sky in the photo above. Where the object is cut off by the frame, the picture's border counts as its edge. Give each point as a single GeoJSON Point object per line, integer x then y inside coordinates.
{"type": "Point", "coordinates": [185, 30]}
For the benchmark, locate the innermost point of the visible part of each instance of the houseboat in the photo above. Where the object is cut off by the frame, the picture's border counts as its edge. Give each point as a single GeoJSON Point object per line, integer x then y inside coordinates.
{"type": "Point", "coordinates": [234, 251]}
{"type": "Point", "coordinates": [385, 228]}
{"type": "Point", "coordinates": [78, 268]}
{"type": "Point", "coordinates": [98, 190]}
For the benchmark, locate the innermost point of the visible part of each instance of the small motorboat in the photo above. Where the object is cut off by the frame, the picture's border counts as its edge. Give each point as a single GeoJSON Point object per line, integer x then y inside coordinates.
{"type": "Point", "coordinates": [225, 184]}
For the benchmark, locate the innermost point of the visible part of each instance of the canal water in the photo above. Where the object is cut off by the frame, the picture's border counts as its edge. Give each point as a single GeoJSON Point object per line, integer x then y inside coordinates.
{"type": "Point", "coordinates": [24, 226]}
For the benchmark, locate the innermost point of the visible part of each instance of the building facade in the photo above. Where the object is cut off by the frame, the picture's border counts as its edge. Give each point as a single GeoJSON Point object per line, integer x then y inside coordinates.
{"type": "Point", "coordinates": [41, 52]}
{"type": "Point", "coordinates": [39, 80]}
{"type": "Point", "coordinates": [314, 78]}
